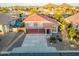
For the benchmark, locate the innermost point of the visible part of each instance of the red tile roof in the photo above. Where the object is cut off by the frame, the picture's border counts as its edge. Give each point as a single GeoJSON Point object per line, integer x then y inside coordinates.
{"type": "Point", "coordinates": [40, 17]}
{"type": "Point", "coordinates": [74, 19]}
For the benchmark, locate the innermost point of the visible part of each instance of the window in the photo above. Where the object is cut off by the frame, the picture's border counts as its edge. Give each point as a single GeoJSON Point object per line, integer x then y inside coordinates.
{"type": "Point", "coordinates": [76, 26]}
{"type": "Point", "coordinates": [35, 25]}
{"type": "Point", "coordinates": [54, 29]}
{"type": "Point", "coordinates": [27, 25]}
{"type": "Point", "coordinates": [47, 24]}
{"type": "Point", "coordinates": [12, 23]}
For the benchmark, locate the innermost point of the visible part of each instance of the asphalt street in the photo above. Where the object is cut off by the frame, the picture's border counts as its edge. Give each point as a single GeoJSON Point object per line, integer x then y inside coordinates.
{"type": "Point", "coordinates": [11, 40]}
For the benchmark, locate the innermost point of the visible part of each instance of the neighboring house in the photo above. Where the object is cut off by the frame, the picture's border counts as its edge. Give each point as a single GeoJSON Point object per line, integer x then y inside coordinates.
{"type": "Point", "coordinates": [4, 20]}
{"type": "Point", "coordinates": [38, 23]}
{"type": "Point", "coordinates": [74, 20]}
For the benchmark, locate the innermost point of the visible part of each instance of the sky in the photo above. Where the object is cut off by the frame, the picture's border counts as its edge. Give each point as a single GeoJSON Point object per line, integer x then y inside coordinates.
{"type": "Point", "coordinates": [36, 2]}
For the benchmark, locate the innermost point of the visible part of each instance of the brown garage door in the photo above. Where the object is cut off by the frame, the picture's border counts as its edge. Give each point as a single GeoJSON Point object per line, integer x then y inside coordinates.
{"type": "Point", "coordinates": [35, 31]}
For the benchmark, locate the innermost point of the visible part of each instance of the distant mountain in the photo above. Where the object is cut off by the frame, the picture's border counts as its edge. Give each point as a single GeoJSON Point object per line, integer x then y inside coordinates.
{"type": "Point", "coordinates": [50, 5]}
{"type": "Point", "coordinates": [65, 5]}
{"type": "Point", "coordinates": [37, 4]}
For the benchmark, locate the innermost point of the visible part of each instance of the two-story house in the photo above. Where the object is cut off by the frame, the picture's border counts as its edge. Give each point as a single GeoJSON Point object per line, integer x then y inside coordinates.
{"type": "Point", "coordinates": [38, 23]}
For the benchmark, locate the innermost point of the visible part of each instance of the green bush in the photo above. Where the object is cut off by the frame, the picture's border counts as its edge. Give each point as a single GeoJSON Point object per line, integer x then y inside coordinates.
{"type": "Point", "coordinates": [52, 39]}
{"type": "Point", "coordinates": [77, 40]}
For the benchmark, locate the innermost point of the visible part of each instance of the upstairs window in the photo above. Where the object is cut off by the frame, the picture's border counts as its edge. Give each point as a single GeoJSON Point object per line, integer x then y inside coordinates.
{"type": "Point", "coordinates": [47, 24]}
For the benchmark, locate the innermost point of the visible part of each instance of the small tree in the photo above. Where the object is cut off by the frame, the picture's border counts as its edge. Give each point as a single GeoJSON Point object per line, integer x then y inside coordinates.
{"type": "Point", "coordinates": [33, 10]}
{"type": "Point", "coordinates": [72, 32]}
{"type": "Point", "coordinates": [63, 21]}
{"type": "Point", "coordinates": [62, 27]}
{"type": "Point", "coordinates": [58, 15]}
{"type": "Point", "coordinates": [5, 10]}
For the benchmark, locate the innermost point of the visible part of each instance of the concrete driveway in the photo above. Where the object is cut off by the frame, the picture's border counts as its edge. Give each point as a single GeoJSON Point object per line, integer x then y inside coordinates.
{"type": "Point", "coordinates": [34, 43]}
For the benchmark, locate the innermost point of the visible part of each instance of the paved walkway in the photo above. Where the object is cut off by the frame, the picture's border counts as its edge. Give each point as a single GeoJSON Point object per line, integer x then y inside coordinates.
{"type": "Point", "coordinates": [35, 43]}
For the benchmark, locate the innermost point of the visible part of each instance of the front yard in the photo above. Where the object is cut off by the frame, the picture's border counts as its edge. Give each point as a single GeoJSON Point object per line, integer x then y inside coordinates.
{"type": "Point", "coordinates": [63, 44]}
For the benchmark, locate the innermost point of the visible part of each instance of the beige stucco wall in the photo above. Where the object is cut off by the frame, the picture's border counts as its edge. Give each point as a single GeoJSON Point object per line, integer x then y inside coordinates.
{"type": "Point", "coordinates": [4, 29]}
{"type": "Point", "coordinates": [14, 30]}
{"type": "Point", "coordinates": [39, 22]}
{"type": "Point", "coordinates": [1, 28]}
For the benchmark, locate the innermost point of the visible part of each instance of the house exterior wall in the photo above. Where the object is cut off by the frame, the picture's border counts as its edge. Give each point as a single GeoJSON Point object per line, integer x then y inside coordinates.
{"type": "Point", "coordinates": [1, 29]}
{"type": "Point", "coordinates": [4, 29]}
{"type": "Point", "coordinates": [76, 26]}
{"type": "Point", "coordinates": [37, 25]}
{"type": "Point", "coordinates": [54, 28]}
{"type": "Point", "coordinates": [14, 30]}
{"type": "Point", "coordinates": [33, 26]}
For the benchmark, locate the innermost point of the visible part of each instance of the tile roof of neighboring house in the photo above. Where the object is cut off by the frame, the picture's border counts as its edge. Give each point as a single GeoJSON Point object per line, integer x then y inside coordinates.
{"type": "Point", "coordinates": [40, 17]}
{"type": "Point", "coordinates": [4, 18]}
{"type": "Point", "coordinates": [73, 19]}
